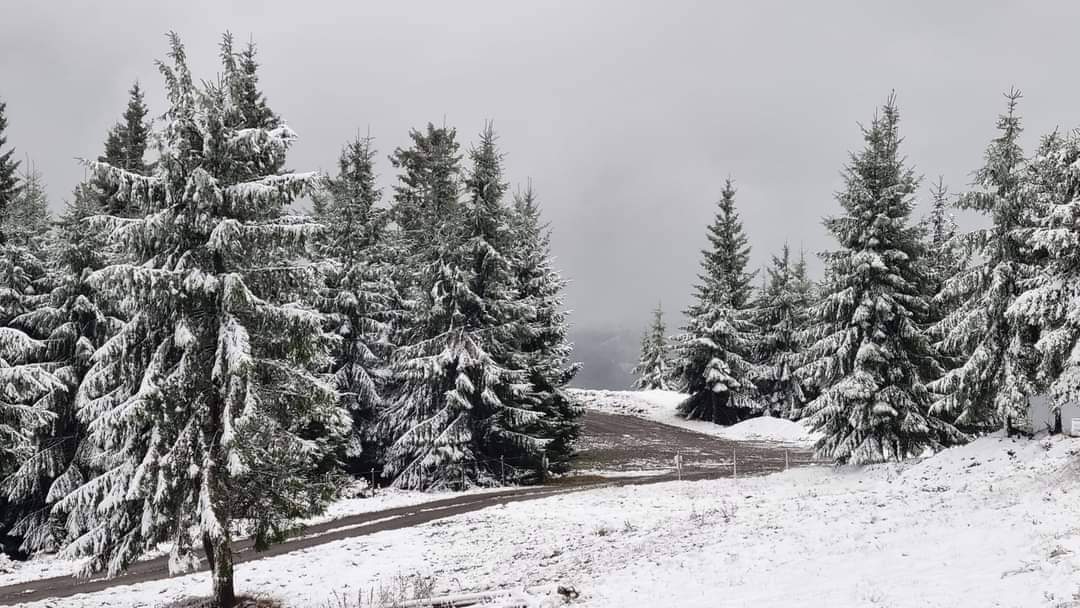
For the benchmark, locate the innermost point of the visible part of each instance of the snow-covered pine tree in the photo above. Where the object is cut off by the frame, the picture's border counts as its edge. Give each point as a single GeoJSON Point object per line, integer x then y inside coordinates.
{"type": "Point", "coordinates": [807, 291]}
{"type": "Point", "coordinates": [27, 217]}
{"type": "Point", "coordinates": [242, 80]}
{"type": "Point", "coordinates": [460, 410]}
{"type": "Point", "coordinates": [23, 284]}
{"type": "Point", "coordinates": [652, 369]}
{"type": "Point", "coordinates": [125, 148]}
{"type": "Point", "coordinates": [204, 411]}
{"type": "Point", "coordinates": [712, 354]}
{"type": "Point", "coordinates": [361, 296]}
{"type": "Point", "coordinates": [996, 377]}
{"type": "Point", "coordinates": [943, 259]}
{"type": "Point", "coordinates": [869, 356]}
{"type": "Point", "coordinates": [27, 388]}
{"type": "Point", "coordinates": [72, 323]}
{"type": "Point", "coordinates": [780, 315]}
{"type": "Point", "coordinates": [426, 210]}
{"type": "Point", "coordinates": [428, 184]}
{"type": "Point", "coordinates": [544, 350]}
{"type": "Point", "coordinates": [1051, 294]}
{"type": "Point", "coordinates": [9, 177]}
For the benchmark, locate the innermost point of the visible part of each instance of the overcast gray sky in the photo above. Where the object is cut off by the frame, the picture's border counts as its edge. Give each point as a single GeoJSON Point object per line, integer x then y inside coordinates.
{"type": "Point", "coordinates": [627, 115]}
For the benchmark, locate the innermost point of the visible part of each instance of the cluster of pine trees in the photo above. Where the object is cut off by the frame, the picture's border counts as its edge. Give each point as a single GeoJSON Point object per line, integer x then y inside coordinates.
{"type": "Point", "coordinates": [919, 335]}
{"type": "Point", "coordinates": [185, 359]}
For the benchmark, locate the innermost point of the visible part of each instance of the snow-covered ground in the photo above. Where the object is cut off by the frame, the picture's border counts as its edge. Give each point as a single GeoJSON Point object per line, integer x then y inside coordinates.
{"type": "Point", "coordinates": [659, 406]}
{"type": "Point", "coordinates": [45, 566]}
{"type": "Point", "coordinates": [994, 523]}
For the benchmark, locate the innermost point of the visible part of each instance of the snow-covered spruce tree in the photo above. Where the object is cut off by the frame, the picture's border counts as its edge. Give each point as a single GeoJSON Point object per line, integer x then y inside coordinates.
{"type": "Point", "coordinates": [27, 217]}
{"type": "Point", "coordinates": [125, 148]}
{"type": "Point", "coordinates": [944, 260]}
{"type": "Point", "coordinates": [780, 315]}
{"type": "Point", "coordinates": [361, 295]}
{"type": "Point", "coordinates": [996, 376]}
{"type": "Point", "coordinates": [204, 412]}
{"type": "Point", "coordinates": [869, 357]}
{"type": "Point", "coordinates": [712, 354]}
{"type": "Point", "coordinates": [242, 80]}
{"type": "Point", "coordinates": [426, 210]}
{"type": "Point", "coordinates": [543, 350]}
{"type": "Point", "coordinates": [72, 323]}
{"type": "Point", "coordinates": [459, 407]}
{"type": "Point", "coordinates": [1051, 294]}
{"type": "Point", "coordinates": [27, 388]}
{"type": "Point", "coordinates": [652, 369]}
{"type": "Point", "coordinates": [426, 194]}
{"type": "Point", "coordinates": [9, 177]}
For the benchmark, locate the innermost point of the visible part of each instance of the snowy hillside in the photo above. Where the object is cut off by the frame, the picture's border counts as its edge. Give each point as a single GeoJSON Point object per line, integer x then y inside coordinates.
{"type": "Point", "coordinates": [988, 524]}
{"type": "Point", "coordinates": [660, 406]}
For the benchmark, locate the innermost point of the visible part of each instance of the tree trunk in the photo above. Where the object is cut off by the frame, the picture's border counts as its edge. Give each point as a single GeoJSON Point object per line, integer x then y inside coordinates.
{"type": "Point", "coordinates": [1057, 421]}
{"type": "Point", "coordinates": [208, 549]}
{"type": "Point", "coordinates": [222, 564]}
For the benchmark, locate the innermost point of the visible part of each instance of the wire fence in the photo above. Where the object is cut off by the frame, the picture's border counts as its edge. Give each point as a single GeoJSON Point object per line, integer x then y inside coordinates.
{"type": "Point", "coordinates": [494, 472]}
{"type": "Point", "coordinates": [486, 472]}
{"type": "Point", "coordinates": [679, 463]}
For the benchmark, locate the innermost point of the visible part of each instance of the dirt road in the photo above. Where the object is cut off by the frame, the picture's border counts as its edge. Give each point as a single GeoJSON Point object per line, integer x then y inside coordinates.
{"type": "Point", "coordinates": [612, 442]}
{"type": "Point", "coordinates": [609, 442]}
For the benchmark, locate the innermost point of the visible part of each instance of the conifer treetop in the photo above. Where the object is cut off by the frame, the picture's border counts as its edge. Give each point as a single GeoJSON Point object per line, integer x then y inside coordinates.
{"type": "Point", "coordinates": [868, 355]}
{"type": "Point", "coordinates": [9, 177]}
{"type": "Point", "coordinates": [652, 370]}
{"type": "Point", "coordinates": [996, 379]}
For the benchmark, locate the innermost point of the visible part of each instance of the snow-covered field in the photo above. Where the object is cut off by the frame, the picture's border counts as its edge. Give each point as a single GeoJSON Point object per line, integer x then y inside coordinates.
{"type": "Point", "coordinates": [659, 406]}
{"type": "Point", "coordinates": [45, 566]}
{"type": "Point", "coordinates": [994, 523]}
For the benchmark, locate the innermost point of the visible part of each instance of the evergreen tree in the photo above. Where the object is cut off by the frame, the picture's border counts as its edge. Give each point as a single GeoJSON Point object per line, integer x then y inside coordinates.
{"type": "Point", "coordinates": [27, 388]}
{"type": "Point", "coordinates": [869, 357]}
{"type": "Point", "coordinates": [427, 189]}
{"type": "Point", "coordinates": [712, 352]}
{"type": "Point", "coordinates": [204, 411]}
{"type": "Point", "coordinates": [27, 217]}
{"type": "Point", "coordinates": [426, 197]}
{"type": "Point", "coordinates": [135, 132]}
{"type": "Point", "coordinates": [544, 350]}
{"type": "Point", "coordinates": [125, 148]}
{"type": "Point", "coordinates": [652, 369]}
{"type": "Point", "coordinates": [1051, 291]}
{"type": "Point", "coordinates": [10, 185]}
{"type": "Point", "coordinates": [361, 298]}
{"type": "Point", "coordinates": [461, 409]}
{"type": "Point", "coordinates": [72, 323]}
{"type": "Point", "coordinates": [942, 256]}
{"type": "Point", "coordinates": [996, 378]}
{"type": "Point", "coordinates": [242, 80]}
{"type": "Point", "coordinates": [781, 313]}
{"type": "Point", "coordinates": [942, 225]}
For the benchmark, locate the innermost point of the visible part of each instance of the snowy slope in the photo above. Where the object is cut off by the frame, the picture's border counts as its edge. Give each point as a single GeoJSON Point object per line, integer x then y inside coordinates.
{"type": "Point", "coordinates": [660, 406]}
{"type": "Point", "coordinates": [994, 523]}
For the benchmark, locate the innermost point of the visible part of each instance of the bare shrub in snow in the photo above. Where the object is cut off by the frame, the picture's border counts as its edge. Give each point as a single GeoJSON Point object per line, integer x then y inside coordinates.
{"type": "Point", "coordinates": [727, 510]}
{"type": "Point", "coordinates": [394, 594]}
